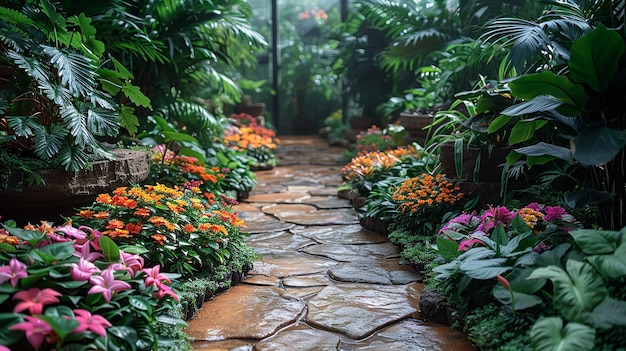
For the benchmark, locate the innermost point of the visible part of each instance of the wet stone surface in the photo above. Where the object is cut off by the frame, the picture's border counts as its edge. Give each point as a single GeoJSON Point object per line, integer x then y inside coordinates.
{"type": "Point", "coordinates": [321, 282]}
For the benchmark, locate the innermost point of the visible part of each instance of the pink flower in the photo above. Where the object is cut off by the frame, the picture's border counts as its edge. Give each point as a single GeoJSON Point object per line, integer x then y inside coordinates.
{"type": "Point", "coordinates": [84, 251]}
{"type": "Point", "coordinates": [503, 281]}
{"type": "Point", "coordinates": [541, 247]}
{"type": "Point", "coordinates": [4, 348]}
{"type": "Point", "coordinates": [164, 290]}
{"type": "Point", "coordinates": [534, 206]}
{"type": "Point", "coordinates": [155, 276]}
{"type": "Point", "coordinates": [72, 232]}
{"type": "Point", "coordinates": [36, 330]}
{"type": "Point", "coordinates": [129, 262]}
{"type": "Point", "coordinates": [469, 243]}
{"type": "Point", "coordinates": [93, 322]}
{"type": "Point", "coordinates": [13, 272]}
{"type": "Point", "coordinates": [106, 284]}
{"type": "Point", "coordinates": [34, 299]}
{"type": "Point", "coordinates": [83, 270]}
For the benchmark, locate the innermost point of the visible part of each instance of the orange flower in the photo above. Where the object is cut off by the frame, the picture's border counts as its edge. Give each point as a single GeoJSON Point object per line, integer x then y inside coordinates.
{"type": "Point", "coordinates": [115, 223]}
{"type": "Point", "coordinates": [101, 215]}
{"type": "Point", "coordinates": [134, 228]}
{"type": "Point", "coordinates": [117, 233]}
{"type": "Point", "coordinates": [188, 228]}
{"type": "Point", "coordinates": [86, 214]}
{"type": "Point", "coordinates": [9, 239]}
{"type": "Point", "coordinates": [142, 212]}
{"type": "Point", "coordinates": [425, 190]}
{"type": "Point", "coordinates": [204, 226]}
{"type": "Point", "coordinates": [159, 238]}
{"type": "Point", "coordinates": [104, 199]}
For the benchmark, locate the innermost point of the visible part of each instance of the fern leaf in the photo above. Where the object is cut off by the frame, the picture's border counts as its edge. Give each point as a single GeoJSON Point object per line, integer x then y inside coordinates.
{"type": "Point", "coordinates": [15, 17]}
{"type": "Point", "coordinates": [128, 120]}
{"type": "Point", "coordinates": [77, 72]}
{"type": "Point", "coordinates": [135, 95]}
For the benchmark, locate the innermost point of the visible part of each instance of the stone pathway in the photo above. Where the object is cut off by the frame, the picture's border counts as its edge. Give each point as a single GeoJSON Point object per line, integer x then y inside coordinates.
{"type": "Point", "coordinates": [321, 282]}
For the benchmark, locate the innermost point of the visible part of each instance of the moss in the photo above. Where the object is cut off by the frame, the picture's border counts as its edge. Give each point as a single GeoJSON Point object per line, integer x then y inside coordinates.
{"type": "Point", "coordinates": [493, 328]}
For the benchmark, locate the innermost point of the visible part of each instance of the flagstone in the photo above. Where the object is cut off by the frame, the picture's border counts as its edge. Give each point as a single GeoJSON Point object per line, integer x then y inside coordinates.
{"type": "Point", "coordinates": [283, 240]}
{"type": "Point", "coordinates": [281, 263]}
{"type": "Point", "coordinates": [338, 216]}
{"type": "Point", "coordinates": [344, 234]}
{"type": "Point", "coordinates": [349, 253]}
{"type": "Point", "coordinates": [301, 339]}
{"type": "Point", "coordinates": [258, 279]}
{"type": "Point", "coordinates": [306, 280]}
{"type": "Point", "coordinates": [413, 335]}
{"type": "Point", "coordinates": [278, 197]}
{"type": "Point", "coordinates": [288, 208]}
{"type": "Point", "coordinates": [358, 310]}
{"type": "Point", "coordinates": [245, 312]}
{"type": "Point", "coordinates": [374, 271]}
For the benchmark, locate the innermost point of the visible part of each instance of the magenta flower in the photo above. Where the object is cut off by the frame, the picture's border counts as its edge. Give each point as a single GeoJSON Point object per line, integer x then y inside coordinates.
{"type": "Point", "coordinates": [129, 262]}
{"type": "Point", "coordinates": [83, 270]}
{"type": "Point", "coordinates": [554, 213]}
{"type": "Point", "coordinates": [92, 322]}
{"type": "Point", "coordinates": [534, 206]}
{"type": "Point", "coordinates": [4, 348]}
{"type": "Point", "coordinates": [84, 251]}
{"type": "Point", "coordinates": [36, 331]}
{"type": "Point", "coordinates": [106, 284]}
{"type": "Point", "coordinates": [34, 299]}
{"type": "Point", "coordinates": [469, 243]}
{"type": "Point", "coordinates": [13, 272]}
{"type": "Point", "coordinates": [72, 232]}
{"type": "Point", "coordinates": [155, 276]}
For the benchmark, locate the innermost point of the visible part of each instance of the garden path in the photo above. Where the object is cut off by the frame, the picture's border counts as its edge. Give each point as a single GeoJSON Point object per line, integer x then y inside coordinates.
{"type": "Point", "coordinates": [321, 282]}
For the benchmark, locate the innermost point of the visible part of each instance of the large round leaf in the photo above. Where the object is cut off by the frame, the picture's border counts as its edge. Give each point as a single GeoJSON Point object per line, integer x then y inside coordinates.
{"type": "Point", "coordinates": [548, 334]}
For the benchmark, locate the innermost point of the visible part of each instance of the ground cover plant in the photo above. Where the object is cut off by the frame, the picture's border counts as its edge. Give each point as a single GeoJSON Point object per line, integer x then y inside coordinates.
{"type": "Point", "coordinates": [71, 288]}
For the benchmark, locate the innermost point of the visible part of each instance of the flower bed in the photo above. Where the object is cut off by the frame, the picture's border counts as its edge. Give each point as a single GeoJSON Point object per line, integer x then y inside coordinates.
{"type": "Point", "coordinates": [247, 135]}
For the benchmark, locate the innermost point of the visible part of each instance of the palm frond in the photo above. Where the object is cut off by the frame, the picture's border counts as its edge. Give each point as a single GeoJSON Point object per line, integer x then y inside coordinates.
{"type": "Point", "coordinates": [77, 72]}
{"type": "Point", "coordinates": [49, 143]}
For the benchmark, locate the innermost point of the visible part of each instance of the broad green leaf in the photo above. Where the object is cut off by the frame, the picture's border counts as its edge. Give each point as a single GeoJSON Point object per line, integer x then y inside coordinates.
{"type": "Point", "coordinates": [61, 325]}
{"type": "Point", "coordinates": [166, 319]}
{"type": "Point", "coordinates": [530, 86]}
{"type": "Point", "coordinates": [537, 104]}
{"type": "Point", "coordinates": [543, 149]}
{"type": "Point", "coordinates": [485, 268]}
{"type": "Point", "coordinates": [128, 120]}
{"type": "Point", "coordinates": [177, 136]}
{"type": "Point", "coordinates": [448, 249]}
{"type": "Point", "coordinates": [137, 250]}
{"type": "Point", "coordinates": [609, 313]}
{"type": "Point", "coordinates": [519, 225]}
{"type": "Point", "coordinates": [58, 251]}
{"type": "Point", "coordinates": [124, 73]}
{"type": "Point", "coordinates": [110, 250]}
{"type": "Point", "coordinates": [598, 145]}
{"type": "Point", "coordinates": [140, 303]}
{"type": "Point", "coordinates": [576, 291]}
{"type": "Point", "coordinates": [538, 160]}
{"type": "Point", "coordinates": [498, 123]}
{"type": "Point", "coordinates": [595, 58]}
{"type": "Point", "coordinates": [134, 94]}
{"type": "Point", "coordinates": [126, 334]}
{"type": "Point", "coordinates": [548, 334]}
{"type": "Point", "coordinates": [523, 289]}
{"type": "Point", "coordinates": [499, 235]}
{"type": "Point", "coordinates": [612, 266]}
{"type": "Point", "coordinates": [596, 242]}
{"type": "Point", "coordinates": [552, 257]}
{"type": "Point", "coordinates": [525, 130]}
{"type": "Point", "coordinates": [8, 337]}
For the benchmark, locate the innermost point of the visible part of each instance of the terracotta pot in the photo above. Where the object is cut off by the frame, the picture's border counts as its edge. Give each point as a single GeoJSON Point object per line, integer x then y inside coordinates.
{"type": "Point", "coordinates": [490, 170]}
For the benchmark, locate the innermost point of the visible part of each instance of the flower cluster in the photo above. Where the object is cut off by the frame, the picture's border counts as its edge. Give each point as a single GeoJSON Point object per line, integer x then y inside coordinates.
{"type": "Point", "coordinates": [426, 190]}
{"type": "Point", "coordinates": [171, 169]}
{"type": "Point", "coordinates": [375, 164]}
{"type": "Point", "coordinates": [248, 136]}
{"type": "Point", "coordinates": [317, 14]}
{"type": "Point", "coordinates": [373, 139]}
{"type": "Point", "coordinates": [72, 288]}
{"type": "Point", "coordinates": [172, 227]}
{"type": "Point", "coordinates": [545, 221]}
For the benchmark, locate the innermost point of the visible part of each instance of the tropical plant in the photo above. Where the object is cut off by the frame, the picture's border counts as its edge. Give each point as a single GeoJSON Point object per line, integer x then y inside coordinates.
{"type": "Point", "coordinates": [72, 288]}
{"type": "Point", "coordinates": [164, 224]}
{"type": "Point", "coordinates": [57, 102]}
{"type": "Point", "coordinates": [588, 113]}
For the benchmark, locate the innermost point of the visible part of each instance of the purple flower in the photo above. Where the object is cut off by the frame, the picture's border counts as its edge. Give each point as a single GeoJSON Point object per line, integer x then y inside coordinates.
{"type": "Point", "coordinates": [554, 213]}
{"type": "Point", "coordinates": [534, 206]}
{"type": "Point", "coordinates": [36, 331]}
{"type": "Point", "coordinates": [92, 322]}
{"type": "Point", "coordinates": [469, 243]}
{"type": "Point", "coordinates": [13, 272]}
{"type": "Point", "coordinates": [83, 270]}
{"type": "Point", "coordinates": [541, 247]}
{"type": "Point", "coordinates": [106, 284]}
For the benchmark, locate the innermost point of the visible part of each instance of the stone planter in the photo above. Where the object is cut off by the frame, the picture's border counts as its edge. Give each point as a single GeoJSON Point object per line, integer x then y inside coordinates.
{"type": "Point", "coordinates": [490, 170]}
{"type": "Point", "coordinates": [64, 191]}
{"type": "Point", "coordinates": [414, 124]}
{"type": "Point", "coordinates": [375, 225]}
